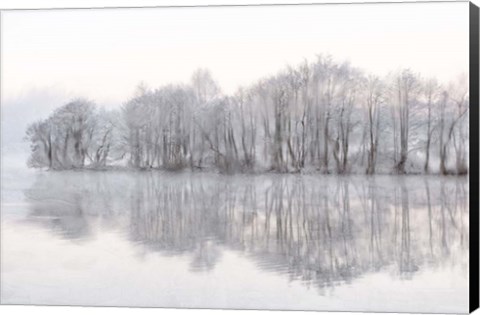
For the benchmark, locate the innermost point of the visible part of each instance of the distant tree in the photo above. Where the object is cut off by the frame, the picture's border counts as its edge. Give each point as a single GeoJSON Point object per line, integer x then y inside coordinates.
{"type": "Point", "coordinates": [62, 140]}
{"type": "Point", "coordinates": [39, 134]}
{"type": "Point", "coordinates": [374, 99]}
{"type": "Point", "coordinates": [75, 124]}
{"type": "Point", "coordinates": [452, 123]}
{"type": "Point", "coordinates": [431, 94]}
{"type": "Point", "coordinates": [404, 93]}
{"type": "Point", "coordinates": [348, 95]}
{"type": "Point", "coordinates": [101, 139]}
{"type": "Point", "coordinates": [205, 87]}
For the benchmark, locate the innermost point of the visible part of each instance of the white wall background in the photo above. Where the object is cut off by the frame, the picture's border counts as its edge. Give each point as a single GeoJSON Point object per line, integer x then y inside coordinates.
{"type": "Point", "coordinates": [9, 4]}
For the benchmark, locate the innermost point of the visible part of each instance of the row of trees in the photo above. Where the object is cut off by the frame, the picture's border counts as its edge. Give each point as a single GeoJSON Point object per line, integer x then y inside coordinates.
{"type": "Point", "coordinates": [320, 115]}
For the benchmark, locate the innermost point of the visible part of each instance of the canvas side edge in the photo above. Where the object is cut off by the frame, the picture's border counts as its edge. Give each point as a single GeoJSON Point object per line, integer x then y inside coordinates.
{"type": "Point", "coordinates": [474, 159]}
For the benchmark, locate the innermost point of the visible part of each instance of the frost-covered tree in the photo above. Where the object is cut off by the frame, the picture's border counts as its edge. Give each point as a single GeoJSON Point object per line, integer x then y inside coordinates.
{"type": "Point", "coordinates": [431, 94]}
{"type": "Point", "coordinates": [40, 135]}
{"type": "Point", "coordinates": [62, 140]}
{"type": "Point", "coordinates": [374, 98]}
{"type": "Point", "coordinates": [404, 92]}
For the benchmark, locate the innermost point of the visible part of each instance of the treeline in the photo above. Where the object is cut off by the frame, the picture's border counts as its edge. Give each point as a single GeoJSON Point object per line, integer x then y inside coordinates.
{"type": "Point", "coordinates": [318, 116]}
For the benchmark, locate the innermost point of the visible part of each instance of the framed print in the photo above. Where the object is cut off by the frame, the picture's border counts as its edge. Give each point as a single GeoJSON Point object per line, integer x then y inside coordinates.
{"type": "Point", "coordinates": [319, 157]}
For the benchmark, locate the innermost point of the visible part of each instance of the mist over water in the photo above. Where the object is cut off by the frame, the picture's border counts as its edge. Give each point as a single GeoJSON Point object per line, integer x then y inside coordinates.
{"type": "Point", "coordinates": [243, 241]}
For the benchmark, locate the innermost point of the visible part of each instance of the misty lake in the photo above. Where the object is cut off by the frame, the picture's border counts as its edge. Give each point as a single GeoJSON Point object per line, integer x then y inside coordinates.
{"type": "Point", "coordinates": [305, 242]}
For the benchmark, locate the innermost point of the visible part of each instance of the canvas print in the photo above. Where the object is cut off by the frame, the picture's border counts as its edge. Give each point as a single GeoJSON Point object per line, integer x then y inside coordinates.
{"type": "Point", "coordinates": [282, 157]}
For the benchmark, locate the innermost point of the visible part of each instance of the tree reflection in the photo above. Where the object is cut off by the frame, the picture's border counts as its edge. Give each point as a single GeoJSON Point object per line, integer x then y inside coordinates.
{"type": "Point", "coordinates": [323, 231]}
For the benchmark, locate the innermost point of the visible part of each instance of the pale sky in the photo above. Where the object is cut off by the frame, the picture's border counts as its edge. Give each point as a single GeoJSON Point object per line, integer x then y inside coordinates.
{"type": "Point", "coordinates": [102, 54]}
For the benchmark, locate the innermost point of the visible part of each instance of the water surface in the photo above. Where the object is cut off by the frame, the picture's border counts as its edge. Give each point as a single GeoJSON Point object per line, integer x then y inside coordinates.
{"type": "Point", "coordinates": [306, 242]}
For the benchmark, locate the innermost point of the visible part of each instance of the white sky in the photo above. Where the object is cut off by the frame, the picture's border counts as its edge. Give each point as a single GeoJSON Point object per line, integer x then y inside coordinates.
{"type": "Point", "coordinates": [104, 54]}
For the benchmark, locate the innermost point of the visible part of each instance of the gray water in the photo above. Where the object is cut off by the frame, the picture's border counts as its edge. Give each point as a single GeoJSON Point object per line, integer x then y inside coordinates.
{"type": "Point", "coordinates": [305, 242]}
